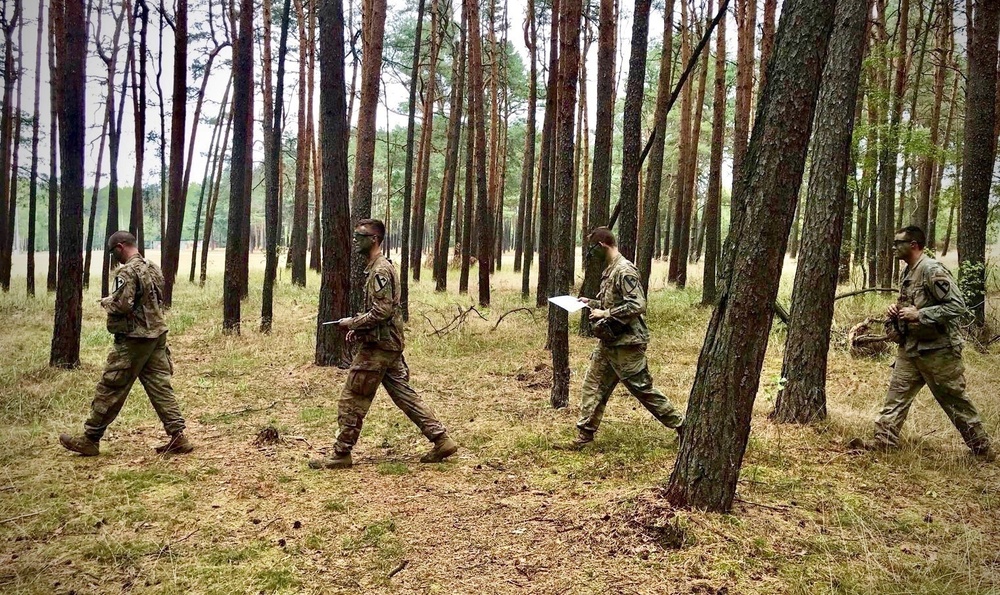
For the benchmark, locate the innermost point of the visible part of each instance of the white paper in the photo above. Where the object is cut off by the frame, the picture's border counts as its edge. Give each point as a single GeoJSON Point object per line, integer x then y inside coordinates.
{"type": "Point", "coordinates": [568, 303]}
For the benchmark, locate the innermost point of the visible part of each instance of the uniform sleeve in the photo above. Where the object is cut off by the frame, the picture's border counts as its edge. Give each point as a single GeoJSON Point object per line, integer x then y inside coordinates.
{"type": "Point", "coordinates": [633, 302]}
{"type": "Point", "coordinates": [948, 301]}
{"type": "Point", "coordinates": [122, 296]}
{"type": "Point", "coordinates": [380, 288]}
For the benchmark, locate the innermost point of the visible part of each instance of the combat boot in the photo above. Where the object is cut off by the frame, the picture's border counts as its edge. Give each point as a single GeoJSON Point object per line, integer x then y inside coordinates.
{"type": "Point", "coordinates": [444, 447]}
{"type": "Point", "coordinates": [81, 444]}
{"type": "Point", "coordinates": [177, 444]}
{"type": "Point", "coordinates": [337, 461]}
{"type": "Point", "coordinates": [978, 442]}
{"type": "Point", "coordinates": [582, 439]}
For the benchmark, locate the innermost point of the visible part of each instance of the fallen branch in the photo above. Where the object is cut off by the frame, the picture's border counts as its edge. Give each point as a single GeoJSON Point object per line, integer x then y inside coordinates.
{"type": "Point", "coordinates": [23, 516]}
{"type": "Point", "coordinates": [504, 315]}
{"type": "Point", "coordinates": [402, 566]}
{"type": "Point", "coordinates": [861, 291]}
{"type": "Point", "coordinates": [247, 410]}
{"type": "Point", "coordinates": [779, 508]}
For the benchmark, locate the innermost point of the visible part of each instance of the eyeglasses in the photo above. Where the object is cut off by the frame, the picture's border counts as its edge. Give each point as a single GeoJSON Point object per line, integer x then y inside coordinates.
{"type": "Point", "coordinates": [358, 235]}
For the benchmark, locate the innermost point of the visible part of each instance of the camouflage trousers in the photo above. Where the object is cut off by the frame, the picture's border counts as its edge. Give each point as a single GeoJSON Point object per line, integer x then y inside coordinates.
{"type": "Point", "coordinates": [626, 364]}
{"type": "Point", "coordinates": [943, 372]}
{"type": "Point", "coordinates": [371, 367]}
{"type": "Point", "coordinates": [130, 358]}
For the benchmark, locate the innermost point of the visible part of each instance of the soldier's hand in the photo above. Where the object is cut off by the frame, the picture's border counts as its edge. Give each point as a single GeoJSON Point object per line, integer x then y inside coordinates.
{"type": "Point", "coordinates": [597, 314]}
{"type": "Point", "coordinates": [343, 321]}
{"type": "Point", "coordinates": [350, 336]}
{"type": "Point", "coordinates": [893, 311]}
{"type": "Point", "coordinates": [909, 314]}
{"type": "Point", "coordinates": [586, 300]}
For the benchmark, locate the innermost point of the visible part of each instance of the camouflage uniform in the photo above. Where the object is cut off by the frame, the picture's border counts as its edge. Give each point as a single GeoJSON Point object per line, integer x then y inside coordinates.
{"type": "Point", "coordinates": [930, 353]}
{"type": "Point", "coordinates": [135, 318]}
{"type": "Point", "coordinates": [380, 360]}
{"type": "Point", "coordinates": [623, 358]}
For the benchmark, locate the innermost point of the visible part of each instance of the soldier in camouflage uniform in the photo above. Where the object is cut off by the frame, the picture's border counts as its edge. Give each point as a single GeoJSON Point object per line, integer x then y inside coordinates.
{"type": "Point", "coordinates": [135, 318]}
{"type": "Point", "coordinates": [926, 317]}
{"type": "Point", "coordinates": [380, 359]}
{"type": "Point", "coordinates": [618, 320]}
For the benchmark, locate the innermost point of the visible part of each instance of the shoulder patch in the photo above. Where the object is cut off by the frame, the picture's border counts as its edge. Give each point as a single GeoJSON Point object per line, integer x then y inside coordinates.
{"type": "Point", "coordinates": [381, 282]}
{"type": "Point", "coordinates": [630, 282]}
{"type": "Point", "coordinates": [119, 283]}
{"type": "Point", "coordinates": [941, 286]}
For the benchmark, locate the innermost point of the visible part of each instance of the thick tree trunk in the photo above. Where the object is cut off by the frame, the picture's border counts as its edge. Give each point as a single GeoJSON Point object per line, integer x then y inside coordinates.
{"type": "Point", "coordinates": [803, 398]}
{"type": "Point", "coordinates": [373, 27]}
{"type": "Point", "coordinates": [331, 347]}
{"type": "Point", "coordinates": [569, 68]}
{"type": "Point", "coordinates": [632, 131]}
{"type": "Point", "coordinates": [978, 155]}
{"type": "Point", "coordinates": [728, 375]}
{"type": "Point", "coordinates": [71, 33]}
{"type": "Point", "coordinates": [239, 182]}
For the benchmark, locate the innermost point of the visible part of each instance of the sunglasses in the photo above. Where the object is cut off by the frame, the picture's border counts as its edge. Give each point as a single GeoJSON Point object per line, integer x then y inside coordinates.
{"type": "Point", "coordinates": [359, 235]}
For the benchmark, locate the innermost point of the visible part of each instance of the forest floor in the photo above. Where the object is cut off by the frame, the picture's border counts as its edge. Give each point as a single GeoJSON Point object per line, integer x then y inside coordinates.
{"type": "Point", "coordinates": [508, 514]}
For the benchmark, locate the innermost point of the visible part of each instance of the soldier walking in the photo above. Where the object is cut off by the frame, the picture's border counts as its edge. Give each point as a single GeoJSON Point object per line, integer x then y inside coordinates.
{"type": "Point", "coordinates": [618, 321]}
{"type": "Point", "coordinates": [135, 318]}
{"type": "Point", "coordinates": [380, 359]}
{"type": "Point", "coordinates": [926, 317]}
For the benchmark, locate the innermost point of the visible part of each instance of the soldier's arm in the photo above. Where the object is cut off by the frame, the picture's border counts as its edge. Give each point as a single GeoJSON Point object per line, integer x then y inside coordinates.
{"type": "Point", "coordinates": [948, 297]}
{"type": "Point", "coordinates": [634, 301]}
{"type": "Point", "coordinates": [122, 295]}
{"type": "Point", "coordinates": [382, 306]}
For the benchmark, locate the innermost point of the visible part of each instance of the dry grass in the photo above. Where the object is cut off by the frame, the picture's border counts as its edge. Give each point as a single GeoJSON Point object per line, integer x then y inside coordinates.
{"type": "Point", "coordinates": [509, 515]}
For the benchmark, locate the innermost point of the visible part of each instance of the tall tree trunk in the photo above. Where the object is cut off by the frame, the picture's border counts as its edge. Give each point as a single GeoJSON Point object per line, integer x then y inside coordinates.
{"type": "Point", "coordinates": [15, 169]}
{"type": "Point", "coordinates": [162, 102]}
{"type": "Point", "coordinates": [485, 243]}
{"type": "Point", "coordinates": [239, 176]}
{"type": "Point", "coordinates": [654, 174]}
{"type": "Point", "coordinates": [71, 33]}
{"type": "Point", "coordinates": [11, 75]}
{"type": "Point", "coordinates": [978, 155]}
{"type": "Point", "coordinates": [136, 225]}
{"type": "Point", "coordinates": [214, 197]}
{"type": "Point", "coordinates": [450, 166]}
{"type": "Point", "coordinates": [404, 251]}
{"type": "Point", "coordinates": [746, 25]}
{"type": "Point", "coordinates": [678, 257]}
{"type": "Point", "coordinates": [803, 398]}
{"type": "Point", "coordinates": [271, 171]}
{"type": "Point", "coordinates": [316, 245]}
{"type": "Point", "coordinates": [632, 131]}
{"type": "Point", "coordinates": [215, 152]}
{"type": "Point", "coordinates": [53, 184]}
{"type": "Point", "coordinates": [178, 121]}
{"type": "Point", "coordinates": [939, 177]}
{"type": "Point", "coordinates": [766, 41]}
{"type": "Point", "coordinates": [92, 216]}
{"type": "Point", "coordinates": [373, 27]}
{"type": "Point", "coordinates": [470, 179]}
{"type": "Point", "coordinates": [545, 170]}
{"type": "Point", "coordinates": [33, 176]}
{"type": "Point", "coordinates": [600, 181]}
{"type": "Point", "coordinates": [334, 303]}
{"type": "Point", "coordinates": [569, 69]}
{"type": "Point", "coordinates": [528, 165]}
{"type": "Point", "coordinates": [424, 155]}
{"type": "Point", "coordinates": [713, 200]}
{"type": "Point", "coordinates": [726, 382]}
{"type": "Point", "coordinates": [300, 213]}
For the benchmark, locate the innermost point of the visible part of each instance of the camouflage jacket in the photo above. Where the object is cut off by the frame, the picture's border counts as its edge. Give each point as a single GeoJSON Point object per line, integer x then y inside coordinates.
{"type": "Point", "coordinates": [381, 324]}
{"type": "Point", "coordinates": [623, 297]}
{"type": "Point", "coordinates": [929, 286]}
{"type": "Point", "coordinates": [134, 306]}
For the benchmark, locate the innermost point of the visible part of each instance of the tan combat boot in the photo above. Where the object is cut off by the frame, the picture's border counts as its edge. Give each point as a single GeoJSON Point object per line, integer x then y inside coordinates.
{"type": "Point", "coordinates": [177, 444]}
{"type": "Point", "coordinates": [337, 461]}
{"type": "Point", "coordinates": [81, 444]}
{"type": "Point", "coordinates": [444, 447]}
{"type": "Point", "coordinates": [582, 439]}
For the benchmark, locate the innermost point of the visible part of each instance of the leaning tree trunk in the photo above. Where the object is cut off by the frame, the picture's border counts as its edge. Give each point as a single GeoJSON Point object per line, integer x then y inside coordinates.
{"type": "Point", "coordinates": [239, 176]}
{"type": "Point", "coordinates": [71, 33]}
{"type": "Point", "coordinates": [728, 374]}
{"type": "Point", "coordinates": [803, 398]}
{"type": "Point", "coordinates": [632, 131]}
{"type": "Point", "coordinates": [562, 248]}
{"type": "Point", "coordinates": [978, 155]}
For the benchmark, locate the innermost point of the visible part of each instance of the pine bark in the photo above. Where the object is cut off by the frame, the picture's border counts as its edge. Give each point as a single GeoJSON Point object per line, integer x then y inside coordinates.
{"type": "Point", "coordinates": [803, 398]}
{"type": "Point", "coordinates": [527, 221]}
{"type": "Point", "coordinates": [419, 216]}
{"type": "Point", "coordinates": [476, 113]}
{"type": "Point", "coordinates": [450, 167]}
{"type": "Point", "coordinates": [545, 166]}
{"type": "Point", "coordinates": [136, 224]}
{"type": "Point", "coordinates": [178, 121]}
{"type": "Point", "coordinates": [54, 143]}
{"type": "Point", "coordinates": [632, 131]}
{"type": "Point", "coordinates": [713, 200]}
{"type": "Point", "coordinates": [7, 199]}
{"type": "Point", "coordinates": [728, 375]}
{"type": "Point", "coordinates": [300, 212]}
{"type": "Point", "coordinates": [33, 175]}
{"type": "Point", "coordinates": [405, 240]}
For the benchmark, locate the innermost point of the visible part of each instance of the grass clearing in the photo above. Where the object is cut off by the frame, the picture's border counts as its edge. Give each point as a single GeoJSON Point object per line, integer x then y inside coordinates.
{"type": "Point", "coordinates": [509, 514]}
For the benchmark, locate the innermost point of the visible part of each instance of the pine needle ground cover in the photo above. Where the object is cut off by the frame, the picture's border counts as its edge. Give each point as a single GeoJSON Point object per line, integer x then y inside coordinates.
{"type": "Point", "coordinates": [509, 514]}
